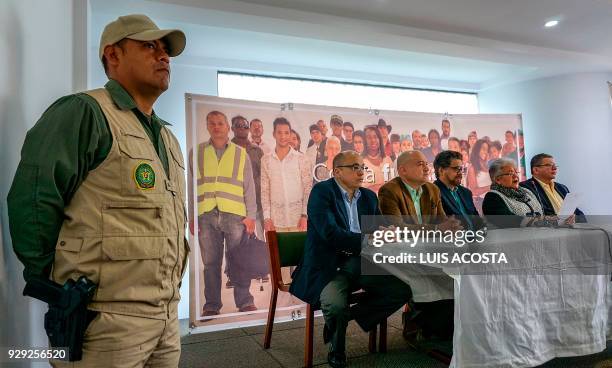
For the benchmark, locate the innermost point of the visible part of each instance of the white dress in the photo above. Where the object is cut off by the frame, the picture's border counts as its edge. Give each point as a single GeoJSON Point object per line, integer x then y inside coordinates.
{"type": "Point", "coordinates": [482, 180]}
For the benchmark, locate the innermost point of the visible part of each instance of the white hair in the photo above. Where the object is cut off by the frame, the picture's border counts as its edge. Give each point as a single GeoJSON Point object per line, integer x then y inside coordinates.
{"type": "Point", "coordinates": [497, 165]}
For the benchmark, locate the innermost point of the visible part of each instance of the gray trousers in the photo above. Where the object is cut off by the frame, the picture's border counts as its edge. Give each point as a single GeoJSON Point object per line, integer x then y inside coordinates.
{"type": "Point", "coordinates": [384, 296]}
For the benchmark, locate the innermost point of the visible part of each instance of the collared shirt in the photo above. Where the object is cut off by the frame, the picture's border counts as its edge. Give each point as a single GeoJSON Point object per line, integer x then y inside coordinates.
{"type": "Point", "coordinates": [248, 184]}
{"type": "Point", "coordinates": [49, 174]}
{"type": "Point", "coordinates": [416, 194]}
{"type": "Point", "coordinates": [285, 187]}
{"type": "Point", "coordinates": [551, 193]}
{"type": "Point", "coordinates": [263, 145]}
{"type": "Point", "coordinates": [444, 143]}
{"type": "Point", "coordinates": [351, 208]}
{"type": "Point", "coordinates": [313, 153]}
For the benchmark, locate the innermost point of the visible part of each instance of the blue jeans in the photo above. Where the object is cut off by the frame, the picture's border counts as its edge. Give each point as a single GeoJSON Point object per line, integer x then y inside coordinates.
{"type": "Point", "coordinates": [219, 229]}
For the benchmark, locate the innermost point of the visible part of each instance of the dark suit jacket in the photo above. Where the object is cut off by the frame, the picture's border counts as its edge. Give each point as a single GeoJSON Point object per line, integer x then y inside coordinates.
{"type": "Point", "coordinates": [328, 238]}
{"type": "Point", "coordinates": [537, 189]}
{"type": "Point", "coordinates": [451, 208]}
{"type": "Point", "coordinates": [396, 204]}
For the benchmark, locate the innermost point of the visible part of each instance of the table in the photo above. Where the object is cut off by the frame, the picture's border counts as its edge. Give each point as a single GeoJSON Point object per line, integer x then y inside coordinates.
{"type": "Point", "coordinates": [552, 299]}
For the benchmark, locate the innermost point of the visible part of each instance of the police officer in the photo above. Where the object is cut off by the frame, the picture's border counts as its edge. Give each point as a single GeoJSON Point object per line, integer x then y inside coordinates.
{"type": "Point", "coordinates": [100, 192]}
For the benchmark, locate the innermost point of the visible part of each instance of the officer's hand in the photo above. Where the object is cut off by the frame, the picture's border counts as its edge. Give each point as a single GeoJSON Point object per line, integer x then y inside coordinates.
{"type": "Point", "coordinates": [269, 225]}
{"type": "Point", "coordinates": [570, 220]}
{"type": "Point", "coordinates": [302, 224]}
{"type": "Point", "coordinates": [249, 224]}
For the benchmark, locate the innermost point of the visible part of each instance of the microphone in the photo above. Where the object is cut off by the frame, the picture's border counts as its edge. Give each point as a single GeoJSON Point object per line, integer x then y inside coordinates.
{"type": "Point", "coordinates": [532, 212]}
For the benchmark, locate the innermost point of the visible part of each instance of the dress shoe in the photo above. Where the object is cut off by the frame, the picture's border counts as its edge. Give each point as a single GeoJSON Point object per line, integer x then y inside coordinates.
{"type": "Point", "coordinates": [336, 360]}
{"type": "Point", "coordinates": [208, 313]}
{"type": "Point", "coordinates": [248, 308]}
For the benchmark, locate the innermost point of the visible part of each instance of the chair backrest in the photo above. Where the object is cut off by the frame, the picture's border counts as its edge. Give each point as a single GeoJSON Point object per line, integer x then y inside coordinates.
{"type": "Point", "coordinates": [286, 249]}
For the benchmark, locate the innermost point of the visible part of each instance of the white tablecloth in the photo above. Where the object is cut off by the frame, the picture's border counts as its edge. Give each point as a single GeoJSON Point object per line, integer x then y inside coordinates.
{"type": "Point", "coordinates": [535, 308]}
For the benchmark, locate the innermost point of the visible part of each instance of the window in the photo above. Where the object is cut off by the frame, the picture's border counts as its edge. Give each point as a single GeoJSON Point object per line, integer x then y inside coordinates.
{"type": "Point", "coordinates": [281, 90]}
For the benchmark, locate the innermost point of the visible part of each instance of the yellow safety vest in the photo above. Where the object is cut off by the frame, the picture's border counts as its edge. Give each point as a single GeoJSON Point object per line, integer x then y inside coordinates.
{"type": "Point", "coordinates": [220, 182]}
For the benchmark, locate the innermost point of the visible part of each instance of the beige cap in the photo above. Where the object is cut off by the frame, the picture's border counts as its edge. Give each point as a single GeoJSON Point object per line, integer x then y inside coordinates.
{"type": "Point", "coordinates": [139, 27]}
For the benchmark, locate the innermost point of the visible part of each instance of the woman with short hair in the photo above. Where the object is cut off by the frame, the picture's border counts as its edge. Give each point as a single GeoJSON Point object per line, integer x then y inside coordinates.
{"type": "Point", "coordinates": [508, 204]}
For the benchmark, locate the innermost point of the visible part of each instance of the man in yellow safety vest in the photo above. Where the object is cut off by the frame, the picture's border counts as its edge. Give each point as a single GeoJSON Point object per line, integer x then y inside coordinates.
{"type": "Point", "coordinates": [227, 207]}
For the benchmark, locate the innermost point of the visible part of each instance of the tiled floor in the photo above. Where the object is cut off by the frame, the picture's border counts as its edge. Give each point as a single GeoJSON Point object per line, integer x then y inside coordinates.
{"type": "Point", "coordinates": [243, 347]}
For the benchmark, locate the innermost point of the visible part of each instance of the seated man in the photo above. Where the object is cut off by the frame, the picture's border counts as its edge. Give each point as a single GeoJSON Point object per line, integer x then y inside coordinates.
{"type": "Point", "coordinates": [456, 199]}
{"type": "Point", "coordinates": [550, 194]}
{"type": "Point", "coordinates": [410, 201]}
{"type": "Point", "coordinates": [330, 268]}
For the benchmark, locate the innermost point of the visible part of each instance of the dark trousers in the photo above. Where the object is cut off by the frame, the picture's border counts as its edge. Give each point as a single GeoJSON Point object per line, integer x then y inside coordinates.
{"type": "Point", "coordinates": [384, 296]}
{"type": "Point", "coordinates": [219, 230]}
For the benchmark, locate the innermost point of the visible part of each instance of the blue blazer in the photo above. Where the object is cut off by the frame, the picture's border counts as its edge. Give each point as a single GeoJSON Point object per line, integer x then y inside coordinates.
{"type": "Point", "coordinates": [328, 238]}
{"type": "Point", "coordinates": [451, 207]}
{"type": "Point", "coordinates": [537, 189]}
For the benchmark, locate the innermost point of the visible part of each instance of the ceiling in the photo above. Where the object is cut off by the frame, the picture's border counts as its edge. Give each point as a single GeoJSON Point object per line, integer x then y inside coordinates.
{"type": "Point", "coordinates": [584, 26]}
{"type": "Point", "coordinates": [451, 44]}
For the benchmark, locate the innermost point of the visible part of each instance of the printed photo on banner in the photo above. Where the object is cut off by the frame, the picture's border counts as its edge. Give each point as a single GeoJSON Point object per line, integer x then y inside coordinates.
{"type": "Point", "coordinates": [252, 166]}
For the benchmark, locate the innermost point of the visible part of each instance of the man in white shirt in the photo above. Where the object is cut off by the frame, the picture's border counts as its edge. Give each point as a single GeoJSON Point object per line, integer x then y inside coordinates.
{"type": "Point", "coordinates": [257, 131]}
{"type": "Point", "coordinates": [446, 130]}
{"type": "Point", "coordinates": [285, 183]}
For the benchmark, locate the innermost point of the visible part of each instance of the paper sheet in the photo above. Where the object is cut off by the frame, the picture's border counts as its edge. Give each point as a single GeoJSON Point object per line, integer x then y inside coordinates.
{"type": "Point", "coordinates": [570, 203]}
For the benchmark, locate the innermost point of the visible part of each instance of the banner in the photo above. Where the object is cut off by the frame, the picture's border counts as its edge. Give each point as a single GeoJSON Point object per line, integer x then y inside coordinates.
{"type": "Point", "coordinates": [271, 178]}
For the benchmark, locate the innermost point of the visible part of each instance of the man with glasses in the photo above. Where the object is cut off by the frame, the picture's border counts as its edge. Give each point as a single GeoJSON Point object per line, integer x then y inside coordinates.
{"type": "Point", "coordinates": [456, 199]}
{"type": "Point", "coordinates": [330, 268]}
{"type": "Point", "coordinates": [240, 128]}
{"type": "Point", "coordinates": [550, 194]}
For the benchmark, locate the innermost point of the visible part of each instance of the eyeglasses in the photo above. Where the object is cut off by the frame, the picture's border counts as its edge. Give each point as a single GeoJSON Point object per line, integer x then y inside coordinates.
{"type": "Point", "coordinates": [552, 166]}
{"type": "Point", "coordinates": [355, 167]}
{"type": "Point", "coordinates": [512, 173]}
{"type": "Point", "coordinates": [241, 125]}
{"type": "Point", "coordinates": [457, 169]}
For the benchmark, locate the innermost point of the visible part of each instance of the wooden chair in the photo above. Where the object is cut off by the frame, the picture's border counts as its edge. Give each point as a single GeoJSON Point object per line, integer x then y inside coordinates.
{"type": "Point", "coordinates": [286, 249]}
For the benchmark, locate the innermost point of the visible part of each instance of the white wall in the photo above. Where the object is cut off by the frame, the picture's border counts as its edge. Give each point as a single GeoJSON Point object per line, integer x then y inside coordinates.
{"type": "Point", "coordinates": [36, 54]}
{"type": "Point", "coordinates": [569, 117]}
